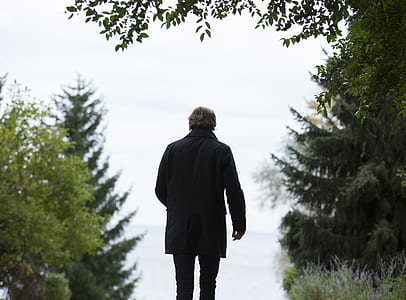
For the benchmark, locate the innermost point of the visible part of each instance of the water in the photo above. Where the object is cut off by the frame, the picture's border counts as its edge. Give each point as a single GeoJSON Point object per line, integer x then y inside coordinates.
{"type": "Point", "coordinates": [248, 272]}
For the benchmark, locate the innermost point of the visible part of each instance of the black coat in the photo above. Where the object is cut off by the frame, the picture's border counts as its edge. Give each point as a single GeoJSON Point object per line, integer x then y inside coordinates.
{"type": "Point", "coordinates": [192, 177]}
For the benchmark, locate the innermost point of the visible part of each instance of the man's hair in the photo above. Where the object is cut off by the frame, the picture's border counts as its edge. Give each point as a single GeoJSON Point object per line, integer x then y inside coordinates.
{"type": "Point", "coordinates": [202, 117]}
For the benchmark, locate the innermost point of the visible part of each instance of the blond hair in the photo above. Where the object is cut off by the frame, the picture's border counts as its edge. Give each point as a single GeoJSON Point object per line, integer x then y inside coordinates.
{"type": "Point", "coordinates": [202, 117]}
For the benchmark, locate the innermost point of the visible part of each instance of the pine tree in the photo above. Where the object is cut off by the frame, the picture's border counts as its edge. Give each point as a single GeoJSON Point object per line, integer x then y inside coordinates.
{"type": "Point", "coordinates": [102, 275]}
{"type": "Point", "coordinates": [348, 201]}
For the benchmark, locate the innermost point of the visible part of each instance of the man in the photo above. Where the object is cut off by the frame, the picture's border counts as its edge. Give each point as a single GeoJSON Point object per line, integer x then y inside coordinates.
{"type": "Point", "coordinates": [192, 177]}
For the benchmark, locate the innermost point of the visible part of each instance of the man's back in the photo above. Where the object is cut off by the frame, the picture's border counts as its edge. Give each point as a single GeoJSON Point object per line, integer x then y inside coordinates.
{"type": "Point", "coordinates": [193, 174]}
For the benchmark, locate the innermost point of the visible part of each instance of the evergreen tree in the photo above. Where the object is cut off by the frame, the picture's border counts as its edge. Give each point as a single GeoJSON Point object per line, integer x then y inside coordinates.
{"type": "Point", "coordinates": [348, 199]}
{"type": "Point", "coordinates": [102, 275]}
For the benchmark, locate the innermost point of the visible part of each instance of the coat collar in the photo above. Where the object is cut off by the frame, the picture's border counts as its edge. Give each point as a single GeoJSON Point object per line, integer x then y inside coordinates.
{"type": "Point", "coordinates": [201, 132]}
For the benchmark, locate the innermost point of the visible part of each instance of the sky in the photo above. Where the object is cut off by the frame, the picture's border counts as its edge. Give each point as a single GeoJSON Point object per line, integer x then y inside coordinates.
{"type": "Point", "coordinates": [244, 74]}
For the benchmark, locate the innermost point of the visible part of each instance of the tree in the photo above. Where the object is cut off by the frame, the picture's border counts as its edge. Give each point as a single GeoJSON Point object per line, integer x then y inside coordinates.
{"type": "Point", "coordinates": [130, 19]}
{"type": "Point", "coordinates": [348, 200]}
{"type": "Point", "coordinates": [101, 275]}
{"type": "Point", "coordinates": [373, 52]}
{"type": "Point", "coordinates": [2, 83]}
{"type": "Point", "coordinates": [269, 177]}
{"type": "Point", "coordinates": [56, 288]}
{"type": "Point", "coordinates": [369, 64]}
{"type": "Point", "coordinates": [44, 220]}
{"type": "Point", "coordinates": [402, 174]}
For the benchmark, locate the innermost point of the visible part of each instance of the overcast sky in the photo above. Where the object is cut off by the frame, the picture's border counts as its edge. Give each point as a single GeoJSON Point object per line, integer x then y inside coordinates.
{"type": "Point", "coordinates": [245, 75]}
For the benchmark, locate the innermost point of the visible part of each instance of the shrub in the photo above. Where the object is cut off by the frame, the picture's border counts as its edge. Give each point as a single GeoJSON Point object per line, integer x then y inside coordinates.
{"type": "Point", "coordinates": [56, 287]}
{"type": "Point", "coordinates": [288, 278]}
{"type": "Point", "coordinates": [344, 281]}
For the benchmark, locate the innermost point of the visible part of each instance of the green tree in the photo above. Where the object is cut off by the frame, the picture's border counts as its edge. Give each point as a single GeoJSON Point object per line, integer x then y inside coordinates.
{"type": "Point", "coordinates": [370, 62]}
{"type": "Point", "coordinates": [44, 220]}
{"type": "Point", "coordinates": [56, 287]}
{"type": "Point", "coordinates": [130, 20]}
{"type": "Point", "coordinates": [2, 83]}
{"type": "Point", "coordinates": [101, 275]}
{"type": "Point", "coordinates": [347, 198]}
{"type": "Point", "coordinates": [402, 174]}
{"type": "Point", "coordinates": [372, 54]}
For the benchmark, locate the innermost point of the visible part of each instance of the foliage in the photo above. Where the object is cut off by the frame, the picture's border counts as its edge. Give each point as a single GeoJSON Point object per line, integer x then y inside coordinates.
{"type": "Point", "coordinates": [324, 120]}
{"type": "Point", "coordinates": [269, 177]}
{"type": "Point", "coordinates": [101, 275]}
{"type": "Point", "coordinates": [130, 20]}
{"type": "Point", "coordinates": [2, 84]}
{"type": "Point", "coordinates": [44, 220]}
{"type": "Point", "coordinates": [289, 276]}
{"type": "Point", "coordinates": [402, 174]}
{"type": "Point", "coordinates": [348, 201]}
{"type": "Point", "coordinates": [370, 62]}
{"type": "Point", "coordinates": [270, 181]}
{"type": "Point", "coordinates": [370, 59]}
{"type": "Point", "coordinates": [56, 287]}
{"type": "Point", "coordinates": [349, 281]}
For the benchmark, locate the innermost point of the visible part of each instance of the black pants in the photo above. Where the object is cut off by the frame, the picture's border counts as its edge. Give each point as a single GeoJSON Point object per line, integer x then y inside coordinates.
{"type": "Point", "coordinates": [185, 266]}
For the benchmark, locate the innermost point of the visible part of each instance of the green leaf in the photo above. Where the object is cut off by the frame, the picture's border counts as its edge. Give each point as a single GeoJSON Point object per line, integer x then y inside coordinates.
{"type": "Point", "coordinates": [143, 35]}
{"type": "Point", "coordinates": [286, 42]}
{"type": "Point", "coordinates": [71, 9]}
{"type": "Point", "coordinates": [202, 37]}
{"type": "Point", "coordinates": [90, 12]}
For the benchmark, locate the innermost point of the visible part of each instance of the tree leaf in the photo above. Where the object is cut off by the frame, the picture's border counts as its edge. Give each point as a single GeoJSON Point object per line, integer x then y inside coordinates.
{"type": "Point", "coordinates": [71, 9]}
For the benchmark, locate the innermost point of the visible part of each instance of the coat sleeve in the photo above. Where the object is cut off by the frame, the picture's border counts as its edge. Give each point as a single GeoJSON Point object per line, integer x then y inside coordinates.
{"type": "Point", "coordinates": [160, 186]}
{"type": "Point", "coordinates": [234, 193]}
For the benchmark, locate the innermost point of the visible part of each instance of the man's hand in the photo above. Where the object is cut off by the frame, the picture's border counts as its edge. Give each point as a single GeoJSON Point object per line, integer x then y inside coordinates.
{"type": "Point", "coordinates": [237, 235]}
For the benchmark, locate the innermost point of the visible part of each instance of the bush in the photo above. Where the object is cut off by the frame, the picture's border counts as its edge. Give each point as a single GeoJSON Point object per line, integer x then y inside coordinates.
{"type": "Point", "coordinates": [344, 281]}
{"type": "Point", "coordinates": [288, 278]}
{"type": "Point", "coordinates": [56, 287]}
